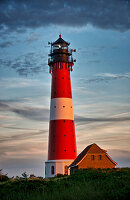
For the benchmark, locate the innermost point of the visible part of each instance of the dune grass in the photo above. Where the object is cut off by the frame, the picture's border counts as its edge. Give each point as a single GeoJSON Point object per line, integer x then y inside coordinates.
{"type": "Point", "coordinates": [83, 185]}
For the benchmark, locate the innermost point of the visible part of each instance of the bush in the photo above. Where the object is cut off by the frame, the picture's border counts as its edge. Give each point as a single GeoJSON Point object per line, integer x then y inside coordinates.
{"type": "Point", "coordinates": [59, 175]}
{"type": "Point", "coordinates": [3, 178]}
{"type": "Point", "coordinates": [84, 184]}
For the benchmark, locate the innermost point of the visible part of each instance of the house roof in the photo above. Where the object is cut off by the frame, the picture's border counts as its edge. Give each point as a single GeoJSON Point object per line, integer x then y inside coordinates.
{"type": "Point", "coordinates": [80, 156]}
{"type": "Point", "coordinates": [91, 149]}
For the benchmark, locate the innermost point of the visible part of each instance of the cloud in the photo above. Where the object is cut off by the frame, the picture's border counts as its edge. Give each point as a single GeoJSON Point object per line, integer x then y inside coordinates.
{"type": "Point", "coordinates": [21, 15]}
{"type": "Point", "coordinates": [18, 82]}
{"type": "Point", "coordinates": [5, 44]}
{"type": "Point", "coordinates": [42, 114]}
{"type": "Point", "coordinates": [3, 106]}
{"type": "Point", "coordinates": [32, 113]}
{"type": "Point", "coordinates": [24, 154]}
{"type": "Point", "coordinates": [122, 157]}
{"type": "Point", "coordinates": [105, 77]}
{"type": "Point", "coordinates": [28, 64]}
{"type": "Point", "coordinates": [23, 136]}
{"type": "Point", "coordinates": [32, 37]}
{"type": "Point", "coordinates": [84, 120]}
{"type": "Point", "coordinates": [38, 114]}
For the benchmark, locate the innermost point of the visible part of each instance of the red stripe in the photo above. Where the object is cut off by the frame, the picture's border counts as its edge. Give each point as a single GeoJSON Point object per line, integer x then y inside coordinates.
{"type": "Point", "coordinates": [61, 83]}
{"type": "Point", "coordinates": [62, 141]}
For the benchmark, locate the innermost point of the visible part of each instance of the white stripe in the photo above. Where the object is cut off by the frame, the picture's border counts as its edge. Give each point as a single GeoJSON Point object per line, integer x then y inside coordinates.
{"type": "Point", "coordinates": [61, 108]}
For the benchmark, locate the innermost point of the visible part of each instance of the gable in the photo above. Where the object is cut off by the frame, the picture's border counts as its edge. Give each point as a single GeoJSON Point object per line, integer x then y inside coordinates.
{"type": "Point", "coordinates": [95, 149]}
{"type": "Point", "coordinates": [95, 161]}
{"type": "Point", "coordinates": [92, 149]}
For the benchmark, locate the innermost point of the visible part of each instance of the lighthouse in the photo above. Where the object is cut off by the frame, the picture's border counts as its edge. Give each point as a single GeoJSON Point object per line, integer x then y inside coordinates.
{"type": "Point", "coordinates": [62, 142]}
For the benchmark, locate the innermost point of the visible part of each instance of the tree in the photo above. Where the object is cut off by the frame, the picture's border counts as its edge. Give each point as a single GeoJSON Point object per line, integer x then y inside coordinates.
{"type": "Point", "coordinates": [3, 177]}
{"type": "Point", "coordinates": [25, 175]}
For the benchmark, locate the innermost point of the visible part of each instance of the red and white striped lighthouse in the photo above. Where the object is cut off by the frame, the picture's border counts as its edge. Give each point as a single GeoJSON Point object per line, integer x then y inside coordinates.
{"type": "Point", "coordinates": [62, 142]}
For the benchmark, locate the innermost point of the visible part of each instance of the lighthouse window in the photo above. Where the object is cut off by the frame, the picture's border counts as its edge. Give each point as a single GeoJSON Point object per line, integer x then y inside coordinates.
{"type": "Point", "coordinates": [64, 120]}
{"type": "Point", "coordinates": [65, 150]}
{"type": "Point", "coordinates": [54, 106]}
{"type": "Point", "coordinates": [62, 77]}
{"type": "Point", "coordinates": [64, 135]}
{"type": "Point", "coordinates": [63, 91]}
{"type": "Point", "coordinates": [72, 121]}
{"type": "Point", "coordinates": [71, 106]}
{"type": "Point", "coordinates": [52, 170]}
{"type": "Point", "coordinates": [63, 106]}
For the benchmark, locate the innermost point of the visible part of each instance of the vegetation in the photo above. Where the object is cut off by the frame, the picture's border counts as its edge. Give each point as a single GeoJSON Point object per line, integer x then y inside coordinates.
{"type": "Point", "coordinates": [3, 177]}
{"type": "Point", "coordinates": [110, 184]}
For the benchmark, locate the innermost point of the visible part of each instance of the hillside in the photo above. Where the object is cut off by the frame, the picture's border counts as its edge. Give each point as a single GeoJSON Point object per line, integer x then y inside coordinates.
{"type": "Point", "coordinates": [85, 184]}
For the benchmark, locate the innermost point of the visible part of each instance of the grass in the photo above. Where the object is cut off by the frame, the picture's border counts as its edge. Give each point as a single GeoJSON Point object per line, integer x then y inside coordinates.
{"type": "Point", "coordinates": [83, 185]}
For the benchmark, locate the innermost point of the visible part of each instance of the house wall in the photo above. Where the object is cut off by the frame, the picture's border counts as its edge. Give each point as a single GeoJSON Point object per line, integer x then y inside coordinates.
{"type": "Point", "coordinates": [87, 162]}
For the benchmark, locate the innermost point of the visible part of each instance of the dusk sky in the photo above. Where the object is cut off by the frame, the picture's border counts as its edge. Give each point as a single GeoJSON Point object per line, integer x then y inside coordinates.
{"type": "Point", "coordinates": [99, 30]}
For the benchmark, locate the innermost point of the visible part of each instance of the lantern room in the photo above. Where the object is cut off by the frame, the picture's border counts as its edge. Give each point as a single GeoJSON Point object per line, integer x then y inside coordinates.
{"type": "Point", "coordinates": [60, 51]}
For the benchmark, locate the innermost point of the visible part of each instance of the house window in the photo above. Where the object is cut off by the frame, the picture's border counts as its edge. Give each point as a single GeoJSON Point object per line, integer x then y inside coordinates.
{"type": "Point", "coordinates": [66, 170]}
{"type": "Point", "coordinates": [52, 170]}
{"type": "Point", "coordinates": [100, 157]}
{"type": "Point", "coordinates": [92, 157]}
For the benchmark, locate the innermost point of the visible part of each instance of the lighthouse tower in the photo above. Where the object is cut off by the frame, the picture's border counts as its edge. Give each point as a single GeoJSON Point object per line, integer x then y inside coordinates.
{"type": "Point", "coordinates": [62, 142]}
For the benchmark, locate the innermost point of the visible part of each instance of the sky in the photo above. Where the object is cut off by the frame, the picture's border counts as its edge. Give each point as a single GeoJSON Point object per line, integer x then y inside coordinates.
{"type": "Point", "coordinates": [100, 33]}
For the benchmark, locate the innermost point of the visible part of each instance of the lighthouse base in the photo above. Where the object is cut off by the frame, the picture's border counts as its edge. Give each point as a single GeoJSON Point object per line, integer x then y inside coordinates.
{"type": "Point", "coordinates": [55, 167]}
